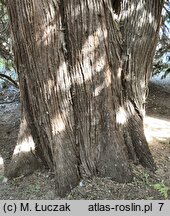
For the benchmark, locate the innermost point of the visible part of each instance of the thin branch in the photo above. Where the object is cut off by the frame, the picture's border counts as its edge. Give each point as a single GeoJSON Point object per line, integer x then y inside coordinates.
{"type": "Point", "coordinates": [8, 78]}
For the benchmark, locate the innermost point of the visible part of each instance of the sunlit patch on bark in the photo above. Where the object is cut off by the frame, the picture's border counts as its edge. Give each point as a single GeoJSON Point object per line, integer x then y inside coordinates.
{"type": "Point", "coordinates": [132, 8]}
{"type": "Point", "coordinates": [100, 64]}
{"type": "Point", "coordinates": [121, 116]}
{"type": "Point", "coordinates": [151, 18]}
{"type": "Point", "coordinates": [143, 87]}
{"type": "Point", "coordinates": [63, 79]}
{"type": "Point", "coordinates": [139, 6]}
{"type": "Point", "coordinates": [1, 166]}
{"type": "Point", "coordinates": [144, 14]}
{"type": "Point", "coordinates": [48, 26]}
{"type": "Point", "coordinates": [63, 82]}
{"type": "Point", "coordinates": [57, 124]}
{"type": "Point", "coordinates": [93, 41]}
{"type": "Point", "coordinates": [89, 70]}
{"type": "Point", "coordinates": [105, 84]}
{"type": "Point", "coordinates": [26, 145]}
{"type": "Point", "coordinates": [1, 161]}
{"type": "Point", "coordinates": [49, 88]}
{"type": "Point", "coordinates": [99, 89]}
{"type": "Point", "coordinates": [47, 32]}
{"type": "Point", "coordinates": [119, 72]}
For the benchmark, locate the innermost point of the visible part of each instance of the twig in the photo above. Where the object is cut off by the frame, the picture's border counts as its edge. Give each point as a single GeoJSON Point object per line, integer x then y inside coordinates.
{"type": "Point", "coordinates": [8, 78]}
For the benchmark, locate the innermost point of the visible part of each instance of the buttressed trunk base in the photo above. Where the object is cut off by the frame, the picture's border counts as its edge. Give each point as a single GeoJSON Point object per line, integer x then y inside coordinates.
{"type": "Point", "coordinates": [83, 69]}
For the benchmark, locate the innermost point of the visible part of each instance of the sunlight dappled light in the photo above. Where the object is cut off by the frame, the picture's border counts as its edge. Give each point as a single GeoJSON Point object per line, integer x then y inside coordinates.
{"type": "Point", "coordinates": [156, 128]}
{"type": "Point", "coordinates": [63, 82]}
{"type": "Point", "coordinates": [63, 79]}
{"type": "Point", "coordinates": [50, 86]}
{"type": "Point", "coordinates": [77, 11]}
{"type": "Point", "coordinates": [99, 67]}
{"type": "Point", "coordinates": [119, 72]}
{"type": "Point", "coordinates": [1, 165]}
{"type": "Point", "coordinates": [98, 90]}
{"type": "Point", "coordinates": [105, 84]}
{"type": "Point", "coordinates": [140, 6]}
{"type": "Point", "coordinates": [121, 116]}
{"type": "Point", "coordinates": [143, 87]}
{"type": "Point", "coordinates": [57, 124]}
{"type": "Point", "coordinates": [26, 145]}
{"type": "Point", "coordinates": [91, 44]}
{"type": "Point", "coordinates": [94, 40]}
{"type": "Point", "coordinates": [48, 26]}
{"type": "Point", "coordinates": [1, 161]}
{"type": "Point", "coordinates": [151, 18]}
{"type": "Point", "coordinates": [47, 32]}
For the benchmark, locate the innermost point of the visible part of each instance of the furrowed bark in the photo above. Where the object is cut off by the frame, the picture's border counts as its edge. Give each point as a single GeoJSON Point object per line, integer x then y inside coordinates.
{"type": "Point", "coordinates": [83, 70]}
{"type": "Point", "coordinates": [139, 23]}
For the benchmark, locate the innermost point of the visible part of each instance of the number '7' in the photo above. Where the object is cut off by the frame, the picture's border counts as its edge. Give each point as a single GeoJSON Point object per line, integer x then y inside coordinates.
{"type": "Point", "coordinates": [161, 205]}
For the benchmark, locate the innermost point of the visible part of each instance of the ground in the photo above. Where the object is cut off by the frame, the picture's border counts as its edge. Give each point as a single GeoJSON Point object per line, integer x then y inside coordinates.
{"type": "Point", "coordinates": [146, 185]}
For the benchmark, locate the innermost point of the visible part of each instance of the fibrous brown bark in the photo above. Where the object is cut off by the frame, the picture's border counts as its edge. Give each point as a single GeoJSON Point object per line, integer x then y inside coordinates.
{"type": "Point", "coordinates": [139, 24]}
{"type": "Point", "coordinates": [83, 69]}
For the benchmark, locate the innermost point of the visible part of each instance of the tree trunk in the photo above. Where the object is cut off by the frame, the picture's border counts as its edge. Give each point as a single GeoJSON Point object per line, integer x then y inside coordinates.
{"type": "Point", "coordinates": [83, 70]}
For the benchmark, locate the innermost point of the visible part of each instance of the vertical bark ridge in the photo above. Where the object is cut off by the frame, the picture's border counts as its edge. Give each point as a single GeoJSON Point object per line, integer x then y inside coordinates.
{"type": "Point", "coordinates": [84, 84]}
{"type": "Point", "coordinates": [43, 66]}
{"type": "Point", "coordinates": [94, 74]}
{"type": "Point", "coordinates": [140, 21]}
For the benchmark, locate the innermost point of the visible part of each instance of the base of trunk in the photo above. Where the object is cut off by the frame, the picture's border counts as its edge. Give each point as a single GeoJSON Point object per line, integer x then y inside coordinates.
{"type": "Point", "coordinates": [24, 160]}
{"type": "Point", "coordinates": [22, 165]}
{"type": "Point", "coordinates": [137, 144]}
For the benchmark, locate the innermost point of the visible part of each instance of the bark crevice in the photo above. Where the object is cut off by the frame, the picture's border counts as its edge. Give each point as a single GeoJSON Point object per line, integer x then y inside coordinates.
{"type": "Point", "coordinates": [85, 82]}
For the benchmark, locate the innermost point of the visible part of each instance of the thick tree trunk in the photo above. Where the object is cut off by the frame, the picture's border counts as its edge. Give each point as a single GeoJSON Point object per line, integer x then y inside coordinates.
{"type": "Point", "coordinates": [83, 72]}
{"type": "Point", "coordinates": [139, 23]}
